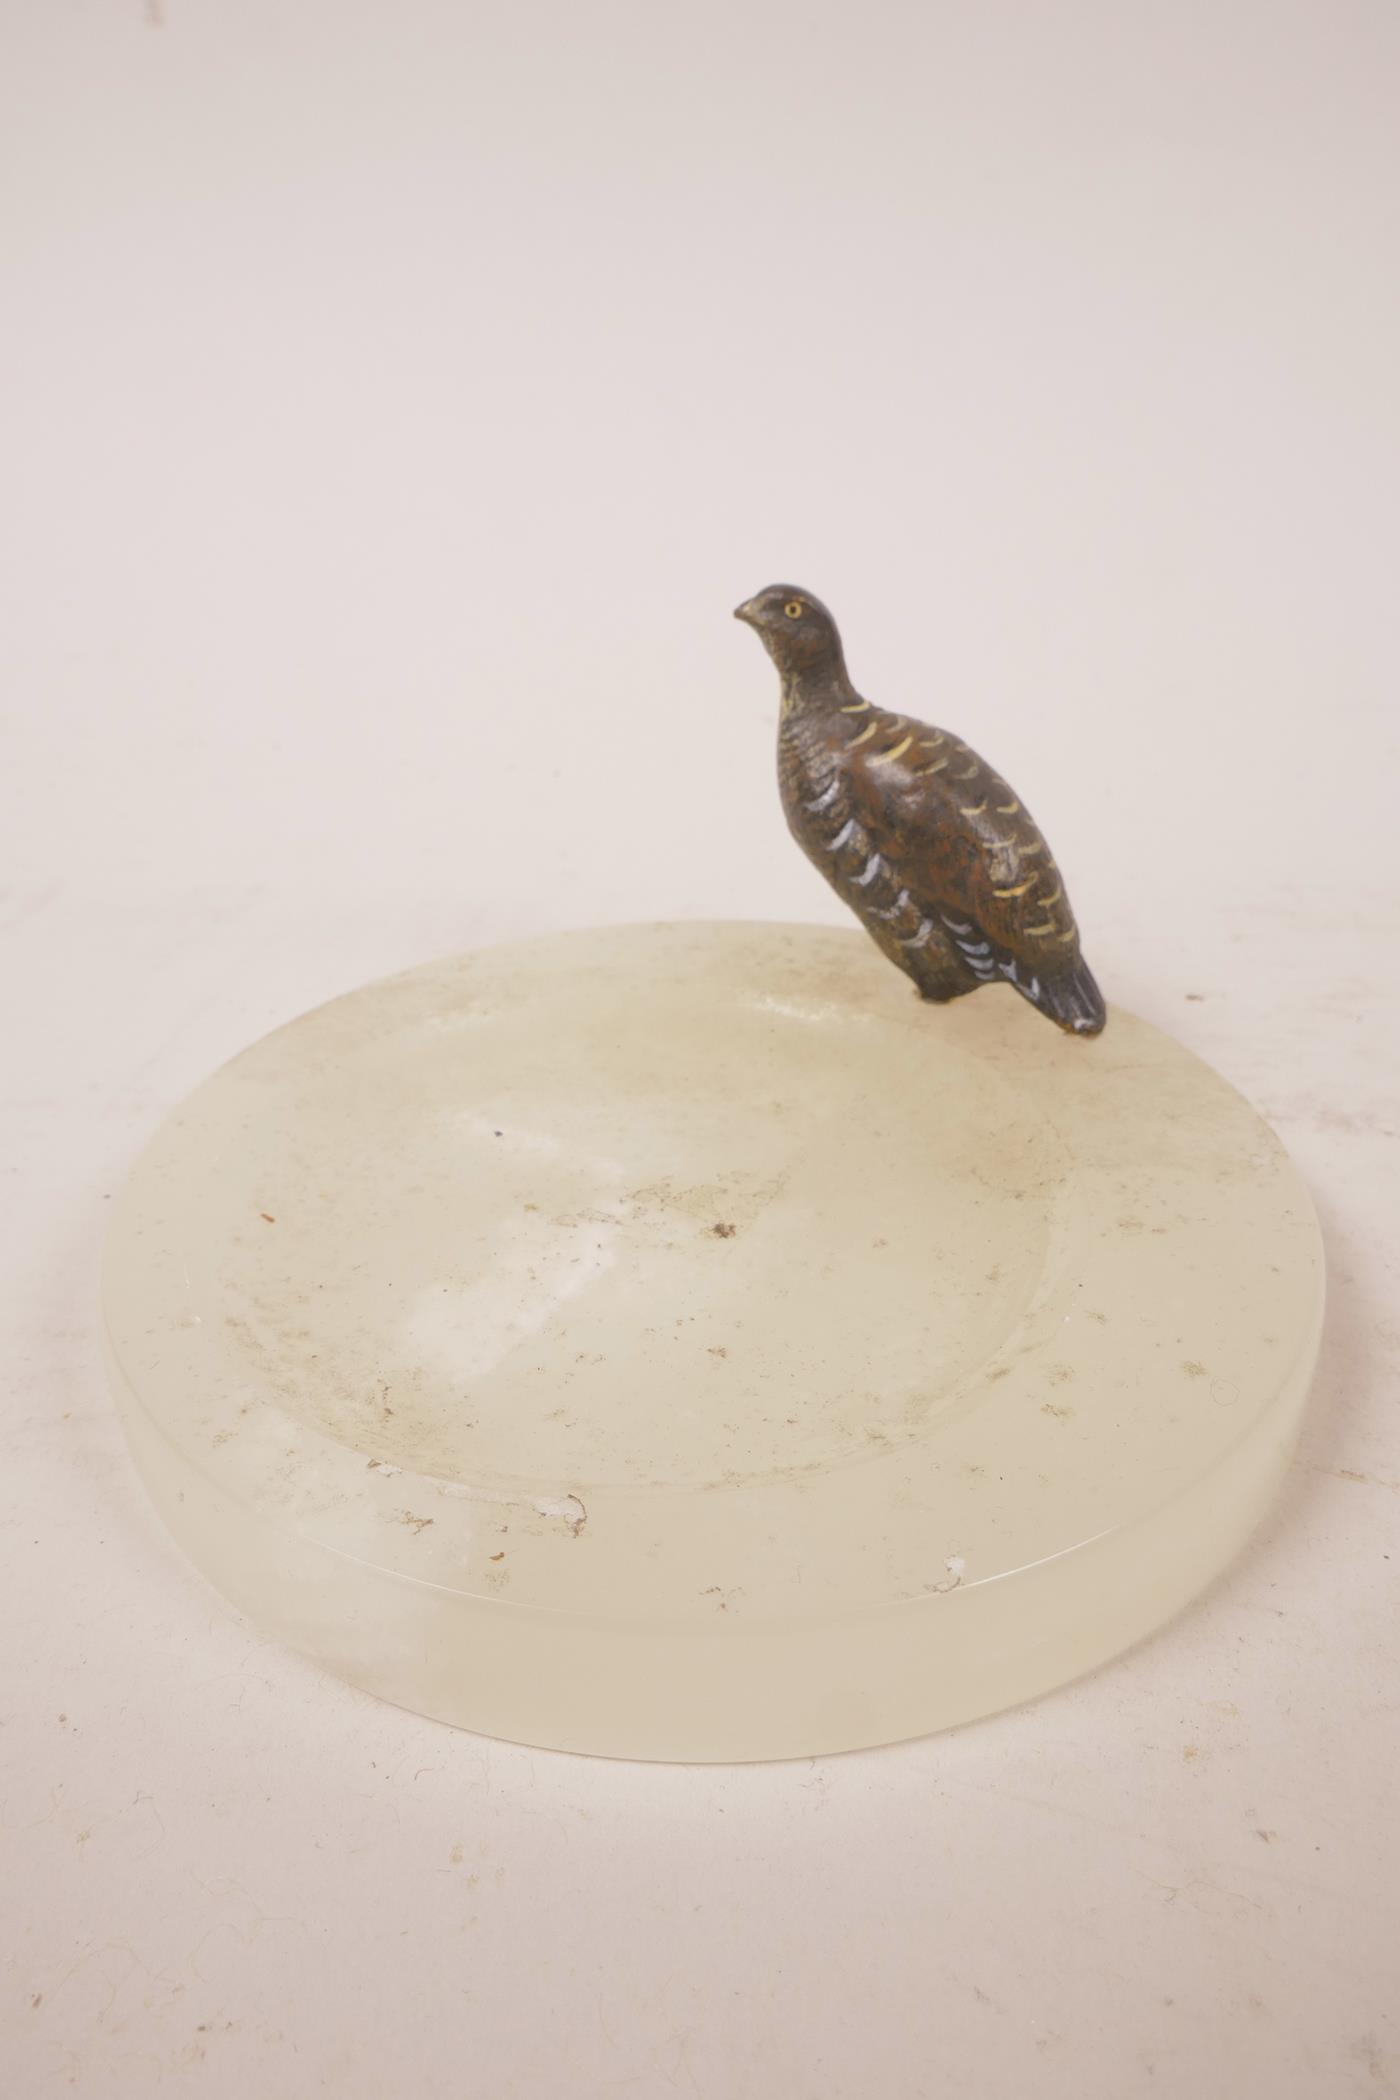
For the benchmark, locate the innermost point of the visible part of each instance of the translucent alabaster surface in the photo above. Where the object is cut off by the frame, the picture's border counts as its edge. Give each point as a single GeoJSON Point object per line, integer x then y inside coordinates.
{"type": "Point", "coordinates": [680, 1342]}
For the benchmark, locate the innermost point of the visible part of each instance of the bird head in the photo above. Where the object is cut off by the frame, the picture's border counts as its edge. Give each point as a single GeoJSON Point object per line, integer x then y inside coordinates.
{"type": "Point", "coordinates": [794, 627]}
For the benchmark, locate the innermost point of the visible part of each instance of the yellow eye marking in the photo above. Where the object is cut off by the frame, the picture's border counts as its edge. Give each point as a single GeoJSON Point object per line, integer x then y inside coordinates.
{"type": "Point", "coordinates": [1038, 847]}
{"type": "Point", "coordinates": [1008, 809]}
{"type": "Point", "coordinates": [858, 709]}
{"type": "Point", "coordinates": [938, 766]}
{"type": "Point", "coordinates": [887, 758]}
{"type": "Point", "coordinates": [1054, 897]}
{"type": "Point", "coordinates": [968, 771]}
{"type": "Point", "coordinates": [793, 608]}
{"type": "Point", "coordinates": [978, 808]}
{"type": "Point", "coordinates": [864, 737]}
{"type": "Point", "coordinates": [1045, 926]}
{"type": "Point", "coordinates": [1019, 891]}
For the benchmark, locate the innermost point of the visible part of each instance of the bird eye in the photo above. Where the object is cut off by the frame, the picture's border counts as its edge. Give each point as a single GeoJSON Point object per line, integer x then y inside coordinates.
{"type": "Point", "coordinates": [793, 608]}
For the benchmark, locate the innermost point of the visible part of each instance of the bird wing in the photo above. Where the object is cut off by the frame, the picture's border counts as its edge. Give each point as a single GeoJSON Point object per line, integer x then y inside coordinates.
{"type": "Point", "coordinates": [967, 849]}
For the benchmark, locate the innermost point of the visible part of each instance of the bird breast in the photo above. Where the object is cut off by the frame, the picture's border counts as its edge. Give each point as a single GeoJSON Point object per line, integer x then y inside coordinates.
{"type": "Point", "coordinates": [821, 813]}
{"type": "Point", "coordinates": [817, 764]}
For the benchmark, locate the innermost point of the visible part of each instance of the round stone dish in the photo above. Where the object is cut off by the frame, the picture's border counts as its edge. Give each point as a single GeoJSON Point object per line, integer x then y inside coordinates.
{"type": "Point", "coordinates": [680, 1342]}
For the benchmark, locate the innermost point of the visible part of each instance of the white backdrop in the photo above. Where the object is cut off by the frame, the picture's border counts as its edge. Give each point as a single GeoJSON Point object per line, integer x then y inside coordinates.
{"type": "Point", "coordinates": [398, 400]}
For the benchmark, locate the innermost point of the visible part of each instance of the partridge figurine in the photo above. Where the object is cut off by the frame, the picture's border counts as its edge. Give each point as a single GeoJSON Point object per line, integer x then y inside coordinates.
{"type": "Point", "coordinates": [937, 857]}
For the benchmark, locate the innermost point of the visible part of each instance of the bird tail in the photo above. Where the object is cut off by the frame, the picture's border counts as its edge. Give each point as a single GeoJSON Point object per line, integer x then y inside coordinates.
{"type": "Point", "coordinates": [1075, 1001]}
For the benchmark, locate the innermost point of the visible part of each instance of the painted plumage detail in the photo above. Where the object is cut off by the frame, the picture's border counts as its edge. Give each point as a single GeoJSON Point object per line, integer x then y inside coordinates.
{"type": "Point", "coordinates": [932, 850]}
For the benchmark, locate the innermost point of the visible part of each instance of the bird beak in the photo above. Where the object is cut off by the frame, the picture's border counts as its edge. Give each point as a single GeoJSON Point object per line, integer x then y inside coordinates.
{"type": "Point", "coordinates": [747, 612]}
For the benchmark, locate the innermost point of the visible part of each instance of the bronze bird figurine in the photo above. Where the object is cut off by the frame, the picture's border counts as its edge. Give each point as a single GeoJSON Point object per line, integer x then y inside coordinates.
{"type": "Point", "coordinates": [937, 857]}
